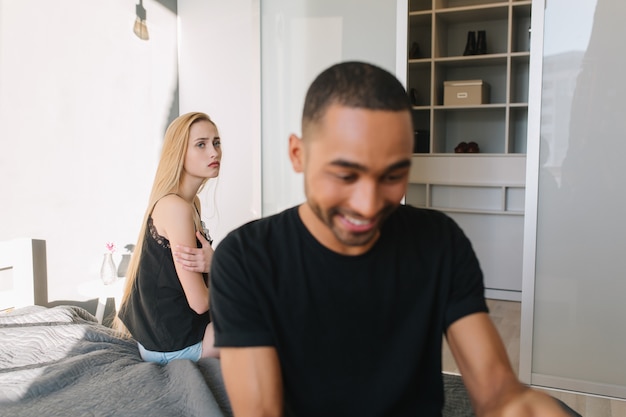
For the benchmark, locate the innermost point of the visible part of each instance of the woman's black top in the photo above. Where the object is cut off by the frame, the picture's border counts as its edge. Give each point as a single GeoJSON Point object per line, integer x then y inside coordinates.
{"type": "Point", "coordinates": [157, 313]}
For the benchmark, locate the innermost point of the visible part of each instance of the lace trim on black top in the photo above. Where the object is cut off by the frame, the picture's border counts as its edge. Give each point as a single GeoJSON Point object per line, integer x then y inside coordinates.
{"type": "Point", "coordinates": [162, 241]}
{"type": "Point", "coordinates": [156, 236]}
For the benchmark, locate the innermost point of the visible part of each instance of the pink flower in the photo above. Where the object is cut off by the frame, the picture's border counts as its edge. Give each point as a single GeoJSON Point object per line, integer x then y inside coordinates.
{"type": "Point", "coordinates": [110, 247]}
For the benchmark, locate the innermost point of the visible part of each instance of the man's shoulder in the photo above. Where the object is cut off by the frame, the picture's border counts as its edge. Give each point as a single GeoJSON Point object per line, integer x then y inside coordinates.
{"type": "Point", "coordinates": [416, 224]}
{"type": "Point", "coordinates": [280, 219]}
{"type": "Point", "coordinates": [406, 213]}
{"type": "Point", "coordinates": [256, 244]}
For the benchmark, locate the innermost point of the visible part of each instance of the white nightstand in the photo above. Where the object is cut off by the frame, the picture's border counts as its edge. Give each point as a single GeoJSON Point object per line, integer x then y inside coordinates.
{"type": "Point", "coordinates": [96, 289]}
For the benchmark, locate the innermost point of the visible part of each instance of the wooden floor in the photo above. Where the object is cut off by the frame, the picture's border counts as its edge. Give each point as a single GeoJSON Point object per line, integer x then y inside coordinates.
{"type": "Point", "coordinates": [506, 317]}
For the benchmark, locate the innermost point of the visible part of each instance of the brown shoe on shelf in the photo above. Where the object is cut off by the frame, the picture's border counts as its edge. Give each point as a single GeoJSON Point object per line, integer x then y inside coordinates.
{"type": "Point", "coordinates": [461, 148]}
{"type": "Point", "coordinates": [472, 147]}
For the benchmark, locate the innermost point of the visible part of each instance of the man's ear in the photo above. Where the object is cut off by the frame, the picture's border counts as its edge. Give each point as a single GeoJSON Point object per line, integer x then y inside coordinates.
{"type": "Point", "coordinates": [296, 153]}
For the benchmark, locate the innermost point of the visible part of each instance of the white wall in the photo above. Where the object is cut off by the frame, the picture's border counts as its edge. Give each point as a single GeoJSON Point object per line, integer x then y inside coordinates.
{"type": "Point", "coordinates": [84, 104]}
{"type": "Point", "coordinates": [220, 75]}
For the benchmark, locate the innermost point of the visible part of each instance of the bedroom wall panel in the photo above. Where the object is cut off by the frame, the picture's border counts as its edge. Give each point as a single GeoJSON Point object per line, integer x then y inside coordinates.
{"type": "Point", "coordinates": [220, 73]}
{"type": "Point", "coordinates": [84, 104]}
{"type": "Point", "coordinates": [299, 39]}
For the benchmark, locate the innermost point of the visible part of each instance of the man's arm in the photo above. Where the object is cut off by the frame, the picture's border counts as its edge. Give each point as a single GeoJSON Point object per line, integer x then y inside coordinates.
{"type": "Point", "coordinates": [487, 373]}
{"type": "Point", "coordinates": [253, 381]}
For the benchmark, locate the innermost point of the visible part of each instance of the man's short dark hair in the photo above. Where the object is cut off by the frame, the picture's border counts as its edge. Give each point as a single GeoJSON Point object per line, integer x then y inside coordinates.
{"type": "Point", "coordinates": [354, 84]}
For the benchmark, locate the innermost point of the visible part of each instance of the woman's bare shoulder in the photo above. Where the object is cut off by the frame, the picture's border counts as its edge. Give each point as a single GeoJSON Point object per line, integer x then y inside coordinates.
{"type": "Point", "coordinates": [171, 205]}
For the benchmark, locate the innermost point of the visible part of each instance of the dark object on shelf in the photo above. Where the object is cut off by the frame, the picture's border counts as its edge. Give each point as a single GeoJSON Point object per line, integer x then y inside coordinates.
{"type": "Point", "coordinates": [421, 141]}
{"type": "Point", "coordinates": [481, 43]}
{"type": "Point", "coordinates": [461, 148]}
{"type": "Point", "coordinates": [467, 147]}
{"type": "Point", "coordinates": [414, 52]}
{"type": "Point", "coordinates": [472, 147]}
{"type": "Point", "coordinates": [414, 98]}
{"type": "Point", "coordinates": [470, 45]}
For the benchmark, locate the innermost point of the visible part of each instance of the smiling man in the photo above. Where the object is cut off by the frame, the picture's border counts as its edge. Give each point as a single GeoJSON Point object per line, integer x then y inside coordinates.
{"type": "Point", "coordinates": [337, 307]}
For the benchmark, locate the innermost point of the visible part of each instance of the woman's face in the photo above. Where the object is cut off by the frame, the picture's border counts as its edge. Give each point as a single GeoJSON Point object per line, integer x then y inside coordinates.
{"type": "Point", "coordinates": [204, 151]}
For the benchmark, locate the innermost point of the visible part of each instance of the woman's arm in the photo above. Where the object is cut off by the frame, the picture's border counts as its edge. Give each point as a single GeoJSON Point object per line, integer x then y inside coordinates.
{"type": "Point", "coordinates": [192, 258]}
{"type": "Point", "coordinates": [487, 373]}
{"type": "Point", "coordinates": [173, 218]}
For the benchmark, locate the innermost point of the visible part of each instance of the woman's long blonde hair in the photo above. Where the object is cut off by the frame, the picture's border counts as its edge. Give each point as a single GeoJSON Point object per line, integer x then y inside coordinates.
{"type": "Point", "coordinates": [166, 180]}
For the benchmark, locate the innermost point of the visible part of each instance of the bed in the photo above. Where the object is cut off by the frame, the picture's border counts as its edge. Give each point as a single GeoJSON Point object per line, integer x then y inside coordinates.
{"type": "Point", "coordinates": [59, 361]}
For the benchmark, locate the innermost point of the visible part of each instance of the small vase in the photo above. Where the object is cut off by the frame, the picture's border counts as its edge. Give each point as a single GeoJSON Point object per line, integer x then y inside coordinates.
{"type": "Point", "coordinates": [108, 273]}
{"type": "Point", "coordinates": [123, 266]}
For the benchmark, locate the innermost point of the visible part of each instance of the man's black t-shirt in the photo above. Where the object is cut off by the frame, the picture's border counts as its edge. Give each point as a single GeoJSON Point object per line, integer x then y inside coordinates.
{"type": "Point", "coordinates": [355, 335]}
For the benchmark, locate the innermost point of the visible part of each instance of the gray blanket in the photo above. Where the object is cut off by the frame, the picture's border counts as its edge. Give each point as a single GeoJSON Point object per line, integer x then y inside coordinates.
{"type": "Point", "coordinates": [61, 362]}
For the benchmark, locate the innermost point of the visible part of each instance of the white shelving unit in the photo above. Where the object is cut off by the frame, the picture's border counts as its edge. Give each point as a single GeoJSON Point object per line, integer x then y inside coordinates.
{"type": "Point", "coordinates": [483, 192]}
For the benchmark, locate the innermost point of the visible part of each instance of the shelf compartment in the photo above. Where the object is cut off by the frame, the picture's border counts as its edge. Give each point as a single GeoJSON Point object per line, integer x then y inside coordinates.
{"type": "Point", "coordinates": [419, 84]}
{"type": "Point", "coordinates": [421, 126]}
{"type": "Point", "coordinates": [421, 118]}
{"type": "Point", "coordinates": [419, 5]}
{"type": "Point", "coordinates": [462, 10]}
{"type": "Point", "coordinates": [420, 31]}
{"type": "Point", "coordinates": [444, 4]}
{"type": "Point", "coordinates": [519, 78]}
{"type": "Point", "coordinates": [520, 27]}
{"type": "Point", "coordinates": [484, 125]}
{"type": "Point", "coordinates": [451, 30]}
{"type": "Point", "coordinates": [491, 71]}
{"type": "Point", "coordinates": [518, 130]}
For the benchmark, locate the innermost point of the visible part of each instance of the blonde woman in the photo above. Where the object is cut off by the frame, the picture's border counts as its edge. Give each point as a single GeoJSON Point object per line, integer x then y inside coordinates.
{"type": "Point", "coordinates": [165, 306]}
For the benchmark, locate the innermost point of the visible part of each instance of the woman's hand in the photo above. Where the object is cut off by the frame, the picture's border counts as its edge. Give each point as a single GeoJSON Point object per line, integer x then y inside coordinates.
{"type": "Point", "coordinates": [195, 259]}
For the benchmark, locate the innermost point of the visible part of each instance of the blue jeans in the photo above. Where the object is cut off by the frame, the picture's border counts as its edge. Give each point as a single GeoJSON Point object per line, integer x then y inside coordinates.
{"type": "Point", "coordinates": [193, 352]}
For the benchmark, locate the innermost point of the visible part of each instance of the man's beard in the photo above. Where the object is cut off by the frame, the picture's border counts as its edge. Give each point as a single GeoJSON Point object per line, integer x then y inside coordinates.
{"type": "Point", "coordinates": [346, 237]}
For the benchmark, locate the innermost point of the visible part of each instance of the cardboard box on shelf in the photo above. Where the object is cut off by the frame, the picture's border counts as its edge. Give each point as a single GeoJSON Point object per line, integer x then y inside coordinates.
{"type": "Point", "coordinates": [465, 93]}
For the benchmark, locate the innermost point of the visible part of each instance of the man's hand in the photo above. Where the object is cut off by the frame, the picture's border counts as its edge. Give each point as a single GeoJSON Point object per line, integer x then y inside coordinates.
{"type": "Point", "coordinates": [493, 386]}
{"type": "Point", "coordinates": [195, 259]}
{"type": "Point", "coordinates": [529, 403]}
